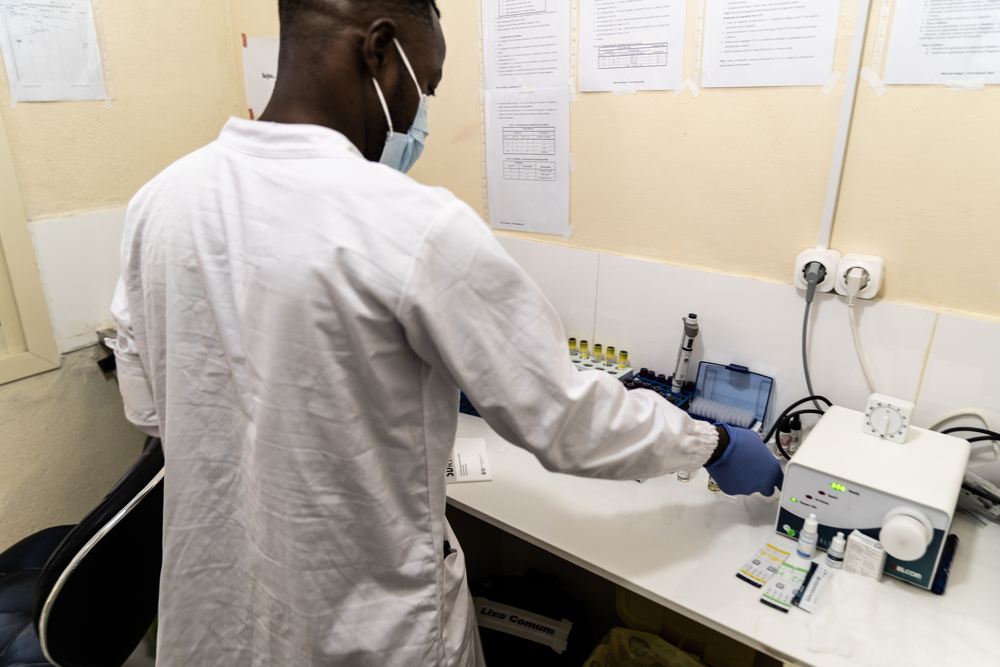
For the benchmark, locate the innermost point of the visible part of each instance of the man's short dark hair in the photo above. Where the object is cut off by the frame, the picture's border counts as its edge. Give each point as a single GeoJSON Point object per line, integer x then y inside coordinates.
{"type": "Point", "coordinates": [417, 9]}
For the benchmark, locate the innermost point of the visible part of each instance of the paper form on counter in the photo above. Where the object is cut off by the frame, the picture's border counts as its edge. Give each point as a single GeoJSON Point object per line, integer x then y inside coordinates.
{"type": "Point", "coordinates": [260, 68]}
{"type": "Point", "coordinates": [469, 462]}
{"type": "Point", "coordinates": [766, 43]}
{"type": "Point", "coordinates": [938, 41]}
{"type": "Point", "coordinates": [527, 159]}
{"type": "Point", "coordinates": [526, 43]}
{"type": "Point", "coordinates": [637, 44]}
{"type": "Point", "coordinates": [51, 51]}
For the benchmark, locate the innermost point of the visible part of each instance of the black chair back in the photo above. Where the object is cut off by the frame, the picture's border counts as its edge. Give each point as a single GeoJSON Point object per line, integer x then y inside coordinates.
{"type": "Point", "coordinates": [97, 595]}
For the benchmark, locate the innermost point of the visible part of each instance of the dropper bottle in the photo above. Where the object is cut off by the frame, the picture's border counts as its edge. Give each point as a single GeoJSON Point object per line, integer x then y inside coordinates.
{"type": "Point", "coordinates": [835, 554]}
{"type": "Point", "coordinates": [807, 538]}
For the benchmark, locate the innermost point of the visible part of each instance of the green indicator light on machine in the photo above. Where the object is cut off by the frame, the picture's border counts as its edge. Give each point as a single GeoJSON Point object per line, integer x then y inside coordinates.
{"type": "Point", "coordinates": [795, 500]}
{"type": "Point", "coordinates": [838, 487]}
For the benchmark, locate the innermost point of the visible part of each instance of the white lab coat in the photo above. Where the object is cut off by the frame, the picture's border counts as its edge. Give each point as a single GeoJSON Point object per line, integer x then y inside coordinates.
{"type": "Point", "coordinates": [296, 323]}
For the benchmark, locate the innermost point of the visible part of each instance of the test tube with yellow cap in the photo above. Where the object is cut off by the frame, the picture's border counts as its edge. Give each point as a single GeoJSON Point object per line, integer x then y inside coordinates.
{"type": "Point", "coordinates": [572, 348]}
{"type": "Point", "coordinates": [609, 357]}
{"type": "Point", "coordinates": [584, 350]}
{"type": "Point", "coordinates": [598, 353]}
{"type": "Point", "coordinates": [622, 360]}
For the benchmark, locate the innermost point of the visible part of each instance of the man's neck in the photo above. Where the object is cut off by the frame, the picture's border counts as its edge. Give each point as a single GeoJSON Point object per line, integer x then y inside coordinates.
{"type": "Point", "coordinates": [299, 109]}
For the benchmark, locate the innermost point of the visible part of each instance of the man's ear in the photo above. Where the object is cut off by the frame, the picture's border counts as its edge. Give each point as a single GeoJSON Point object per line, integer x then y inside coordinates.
{"type": "Point", "coordinates": [377, 45]}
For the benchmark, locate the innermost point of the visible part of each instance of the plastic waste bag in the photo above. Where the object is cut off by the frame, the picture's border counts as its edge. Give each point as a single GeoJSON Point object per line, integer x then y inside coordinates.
{"type": "Point", "coordinates": [630, 648]}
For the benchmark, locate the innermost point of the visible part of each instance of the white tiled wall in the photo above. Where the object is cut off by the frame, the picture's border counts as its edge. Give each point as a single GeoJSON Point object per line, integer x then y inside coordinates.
{"type": "Point", "coordinates": [962, 371]}
{"type": "Point", "coordinates": [78, 259]}
{"type": "Point", "coordinates": [942, 361]}
{"type": "Point", "coordinates": [567, 276]}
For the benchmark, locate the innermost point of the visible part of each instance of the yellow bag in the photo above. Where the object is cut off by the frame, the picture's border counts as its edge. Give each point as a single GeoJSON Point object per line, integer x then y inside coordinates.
{"type": "Point", "coordinates": [630, 648]}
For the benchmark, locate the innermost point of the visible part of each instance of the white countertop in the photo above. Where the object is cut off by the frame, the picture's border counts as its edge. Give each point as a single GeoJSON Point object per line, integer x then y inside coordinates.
{"type": "Point", "coordinates": [681, 544]}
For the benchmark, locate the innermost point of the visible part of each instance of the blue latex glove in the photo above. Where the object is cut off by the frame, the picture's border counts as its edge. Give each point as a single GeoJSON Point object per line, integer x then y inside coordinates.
{"type": "Point", "coordinates": [747, 465]}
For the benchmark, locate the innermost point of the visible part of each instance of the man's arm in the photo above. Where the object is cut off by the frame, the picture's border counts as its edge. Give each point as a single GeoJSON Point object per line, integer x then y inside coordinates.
{"type": "Point", "coordinates": [137, 394]}
{"type": "Point", "coordinates": [470, 311]}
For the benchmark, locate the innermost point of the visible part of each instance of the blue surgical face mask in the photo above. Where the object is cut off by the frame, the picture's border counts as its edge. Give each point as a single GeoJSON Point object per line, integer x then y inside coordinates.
{"type": "Point", "coordinates": [402, 150]}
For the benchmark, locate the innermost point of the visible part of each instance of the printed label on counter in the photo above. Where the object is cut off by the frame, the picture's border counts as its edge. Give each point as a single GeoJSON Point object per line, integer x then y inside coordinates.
{"type": "Point", "coordinates": [469, 462]}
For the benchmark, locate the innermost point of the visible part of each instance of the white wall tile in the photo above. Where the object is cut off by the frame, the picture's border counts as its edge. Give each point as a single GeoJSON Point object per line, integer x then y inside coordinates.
{"type": "Point", "coordinates": [962, 371]}
{"type": "Point", "coordinates": [78, 259]}
{"type": "Point", "coordinates": [639, 306]}
{"type": "Point", "coordinates": [567, 277]}
{"type": "Point", "coordinates": [758, 324]}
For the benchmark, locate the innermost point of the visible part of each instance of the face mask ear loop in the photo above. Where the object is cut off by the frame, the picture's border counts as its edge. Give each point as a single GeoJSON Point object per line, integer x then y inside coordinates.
{"type": "Point", "coordinates": [385, 107]}
{"type": "Point", "coordinates": [406, 62]}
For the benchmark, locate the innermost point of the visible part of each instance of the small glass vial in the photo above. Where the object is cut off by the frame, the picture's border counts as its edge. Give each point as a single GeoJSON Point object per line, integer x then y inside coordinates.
{"type": "Point", "coordinates": [598, 353]}
{"type": "Point", "coordinates": [784, 439]}
{"type": "Point", "coordinates": [622, 360]}
{"type": "Point", "coordinates": [584, 350]}
{"type": "Point", "coordinates": [572, 348]}
{"type": "Point", "coordinates": [609, 357]}
{"type": "Point", "coordinates": [835, 553]}
{"type": "Point", "coordinates": [712, 486]}
{"type": "Point", "coordinates": [683, 476]}
{"type": "Point", "coordinates": [794, 435]}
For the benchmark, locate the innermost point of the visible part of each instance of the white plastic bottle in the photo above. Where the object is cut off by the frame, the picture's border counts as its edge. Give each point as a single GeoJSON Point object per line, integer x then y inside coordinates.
{"type": "Point", "coordinates": [835, 554]}
{"type": "Point", "coordinates": [807, 538]}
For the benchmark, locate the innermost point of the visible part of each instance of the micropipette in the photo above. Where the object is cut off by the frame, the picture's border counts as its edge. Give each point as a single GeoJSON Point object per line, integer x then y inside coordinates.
{"type": "Point", "coordinates": [684, 354]}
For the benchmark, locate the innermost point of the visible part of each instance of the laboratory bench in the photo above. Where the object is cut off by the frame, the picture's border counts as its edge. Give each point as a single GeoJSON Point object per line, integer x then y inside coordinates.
{"type": "Point", "coordinates": [680, 545]}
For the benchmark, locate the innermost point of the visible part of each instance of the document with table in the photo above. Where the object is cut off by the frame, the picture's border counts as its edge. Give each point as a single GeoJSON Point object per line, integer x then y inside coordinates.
{"type": "Point", "coordinates": [636, 45]}
{"type": "Point", "coordinates": [766, 43]}
{"type": "Point", "coordinates": [527, 154]}
{"type": "Point", "coordinates": [51, 50]}
{"type": "Point", "coordinates": [526, 59]}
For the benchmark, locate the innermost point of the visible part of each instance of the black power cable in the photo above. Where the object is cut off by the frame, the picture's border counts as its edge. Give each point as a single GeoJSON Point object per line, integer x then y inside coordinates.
{"type": "Point", "coordinates": [777, 442]}
{"type": "Point", "coordinates": [788, 414]}
{"type": "Point", "coordinates": [783, 415]}
{"type": "Point", "coordinates": [993, 435]}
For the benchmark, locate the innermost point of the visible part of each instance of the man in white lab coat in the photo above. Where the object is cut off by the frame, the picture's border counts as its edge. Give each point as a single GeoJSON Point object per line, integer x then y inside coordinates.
{"type": "Point", "coordinates": [296, 319]}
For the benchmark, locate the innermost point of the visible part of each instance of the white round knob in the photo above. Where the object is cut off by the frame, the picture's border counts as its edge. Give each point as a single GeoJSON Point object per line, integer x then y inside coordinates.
{"type": "Point", "coordinates": [906, 532]}
{"type": "Point", "coordinates": [885, 421]}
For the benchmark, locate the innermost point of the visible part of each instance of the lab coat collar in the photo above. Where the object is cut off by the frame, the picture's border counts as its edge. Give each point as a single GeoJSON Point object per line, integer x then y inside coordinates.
{"type": "Point", "coordinates": [285, 140]}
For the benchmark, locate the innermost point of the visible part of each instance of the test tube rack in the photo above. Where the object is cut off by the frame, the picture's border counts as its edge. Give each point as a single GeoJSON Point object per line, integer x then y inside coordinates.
{"type": "Point", "coordinates": [590, 364]}
{"type": "Point", "coordinates": [466, 407]}
{"type": "Point", "coordinates": [649, 379]}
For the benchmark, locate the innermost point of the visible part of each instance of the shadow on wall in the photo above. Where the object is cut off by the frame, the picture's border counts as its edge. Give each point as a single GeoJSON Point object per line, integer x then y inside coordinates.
{"type": "Point", "coordinates": [64, 442]}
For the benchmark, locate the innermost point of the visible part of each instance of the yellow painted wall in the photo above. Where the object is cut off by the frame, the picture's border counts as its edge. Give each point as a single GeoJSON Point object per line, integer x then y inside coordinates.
{"type": "Point", "coordinates": [733, 181]}
{"type": "Point", "coordinates": [64, 442]}
{"type": "Point", "coordinates": [175, 84]}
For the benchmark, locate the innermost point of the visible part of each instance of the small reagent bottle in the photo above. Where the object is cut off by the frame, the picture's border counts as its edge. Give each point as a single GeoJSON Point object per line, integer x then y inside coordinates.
{"type": "Point", "coordinates": [835, 554]}
{"type": "Point", "coordinates": [807, 538]}
{"type": "Point", "coordinates": [784, 439]}
{"type": "Point", "coordinates": [794, 435]}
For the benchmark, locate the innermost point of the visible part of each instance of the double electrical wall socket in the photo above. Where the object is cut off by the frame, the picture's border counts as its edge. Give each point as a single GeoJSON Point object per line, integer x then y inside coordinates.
{"type": "Point", "coordinates": [872, 264]}
{"type": "Point", "coordinates": [828, 258]}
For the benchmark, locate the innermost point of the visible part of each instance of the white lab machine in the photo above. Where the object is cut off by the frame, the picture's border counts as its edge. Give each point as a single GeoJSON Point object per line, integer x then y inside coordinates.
{"type": "Point", "coordinates": [902, 493]}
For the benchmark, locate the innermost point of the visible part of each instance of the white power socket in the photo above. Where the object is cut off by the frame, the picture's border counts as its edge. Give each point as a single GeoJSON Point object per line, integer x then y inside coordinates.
{"type": "Point", "coordinates": [828, 258]}
{"type": "Point", "coordinates": [872, 264]}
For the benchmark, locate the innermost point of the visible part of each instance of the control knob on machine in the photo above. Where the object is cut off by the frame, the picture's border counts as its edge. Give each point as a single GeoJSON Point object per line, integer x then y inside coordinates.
{"type": "Point", "coordinates": [906, 532]}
